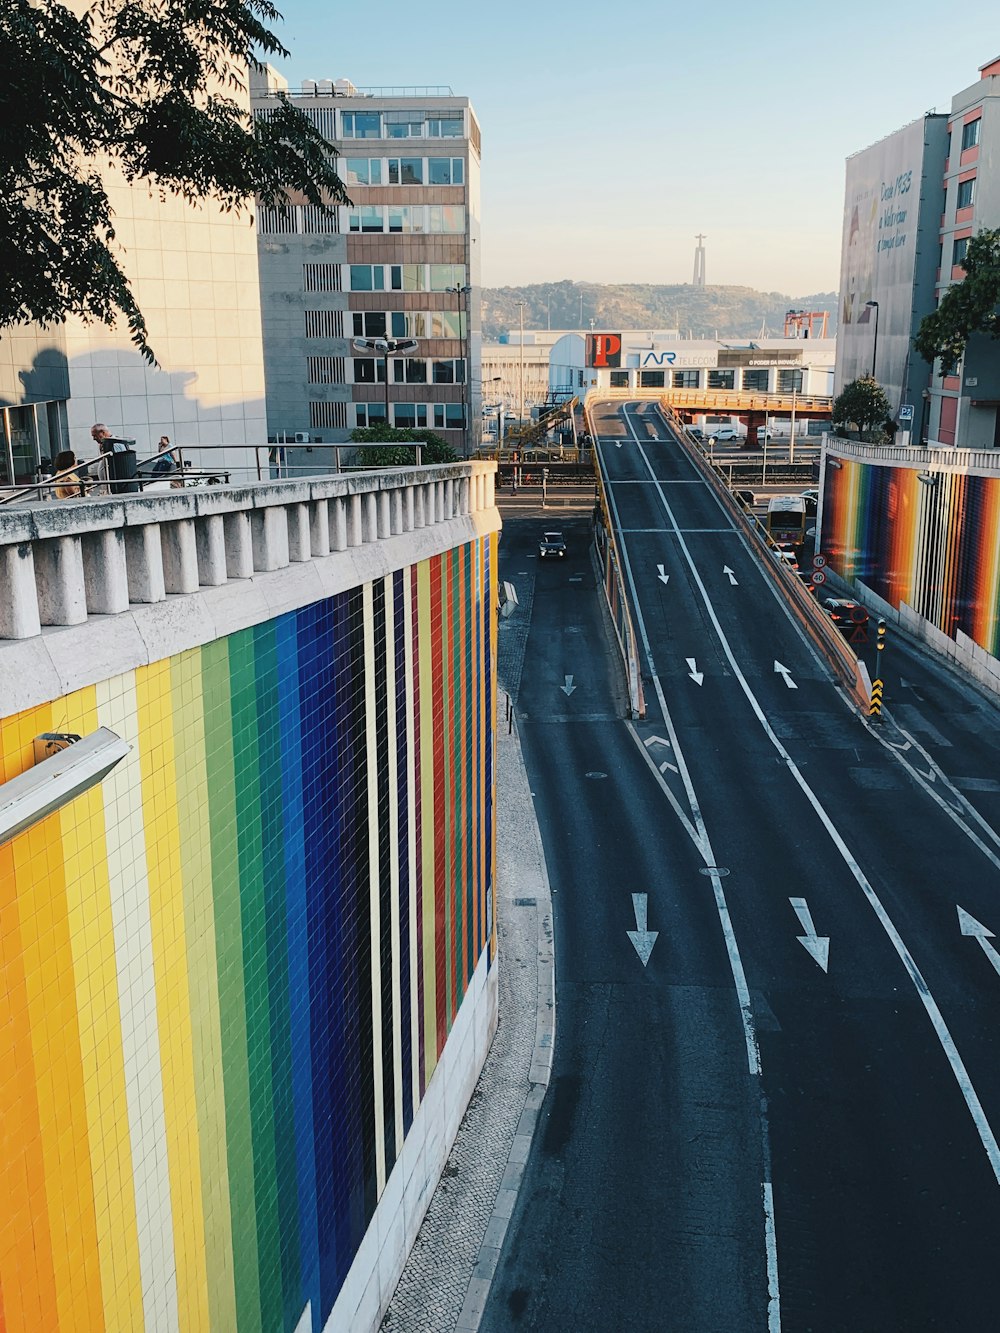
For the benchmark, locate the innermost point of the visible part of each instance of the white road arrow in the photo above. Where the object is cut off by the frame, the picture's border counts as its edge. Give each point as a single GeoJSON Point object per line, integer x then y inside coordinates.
{"type": "Point", "coordinates": [660, 575]}
{"type": "Point", "coordinates": [817, 946]}
{"type": "Point", "coordinates": [696, 675]}
{"type": "Point", "coordinates": [569, 687]}
{"type": "Point", "coordinates": [783, 672]}
{"type": "Point", "coordinates": [732, 576]}
{"type": "Point", "coordinates": [642, 939]}
{"type": "Point", "coordinates": [970, 926]}
{"type": "Point", "coordinates": [656, 740]}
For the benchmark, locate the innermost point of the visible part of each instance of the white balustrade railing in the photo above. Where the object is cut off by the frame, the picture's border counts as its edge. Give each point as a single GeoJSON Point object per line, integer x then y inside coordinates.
{"type": "Point", "coordinates": [927, 457]}
{"type": "Point", "coordinates": [62, 562]}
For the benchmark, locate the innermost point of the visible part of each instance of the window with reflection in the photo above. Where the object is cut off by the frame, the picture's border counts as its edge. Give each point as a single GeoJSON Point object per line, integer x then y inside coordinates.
{"type": "Point", "coordinates": [403, 124]}
{"type": "Point", "coordinates": [409, 370]}
{"type": "Point", "coordinates": [366, 217]}
{"type": "Point", "coordinates": [361, 124]}
{"type": "Point", "coordinates": [685, 379]}
{"type": "Point", "coordinates": [755, 381]}
{"type": "Point", "coordinates": [406, 171]}
{"type": "Point", "coordinates": [651, 379]}
{"type": "Point", "coordinates": [722, 379]}
{"type": "Point", "coordinates": [789, 381]}
{"type": "Point", "coordinates": [369, 323]}
{"type": "Point", "coordinates": [444, 125]}
{"type": "Point", "coordinates": [360, 170]}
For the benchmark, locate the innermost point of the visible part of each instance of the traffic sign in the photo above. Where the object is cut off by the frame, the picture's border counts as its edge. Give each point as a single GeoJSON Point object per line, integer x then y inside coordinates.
{"type": "Point", "coordinates": [819, 561]}
{"type": "Point", "coordinates": [819, 576]}
{"type": "Point", "coordinates": [859, 635]}
{"type": "Point", "coordinates": [906, 412]}
{"type": "Point", "coordinates": [859, 615]}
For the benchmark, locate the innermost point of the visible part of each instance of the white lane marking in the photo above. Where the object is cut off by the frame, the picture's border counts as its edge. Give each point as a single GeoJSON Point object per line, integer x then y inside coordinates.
{"type": "Point", "coordinates": [660, 574]}
{"type": "Point", "coordinates": [970, 926]}
{"type": "Point", "coordinates": [785, 674]}
{"type": "Point", "coordinates": [642, 939]}
{"type": "Point", "coordinates": [771, 1244]}
{"type": "Point", "coordinates": [817, 946]}
{"type": "Point", "coordinates": [656, 740]}
{"type": "Point", "coordinates": [673, 767]}
{"type": "Point", "coordinates": [696, 825]}
{"type": "Point", "coordinates": [682, 817]}
{"type": "Point", "coordinates": [732, 576]}
{"type": "Point", "coordinates": [938, 1023]}
{"type": "Point", "coordinates": [568, 687]}
{"type": "Point", "coordinates": [696, 675]}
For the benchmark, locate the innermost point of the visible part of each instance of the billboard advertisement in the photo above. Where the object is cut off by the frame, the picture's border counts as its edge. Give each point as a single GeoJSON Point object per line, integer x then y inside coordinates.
{"type": "Point", "coordinates": [883, 204]}
{"type": "Point", "coordinates": [604, 350]}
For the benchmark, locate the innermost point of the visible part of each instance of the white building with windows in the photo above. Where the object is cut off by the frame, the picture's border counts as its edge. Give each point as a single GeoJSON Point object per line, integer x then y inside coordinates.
{"type": "Point", "coordinates": [402, 260]}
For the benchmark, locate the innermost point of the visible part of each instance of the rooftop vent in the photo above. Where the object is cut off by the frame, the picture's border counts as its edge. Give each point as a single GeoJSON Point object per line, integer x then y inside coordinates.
{"type": "Point", "coordinates": [309, 87]}
{"type": "Point", "coordinates": [345, 88]}
{"type": "Point", "coordinates": [325, 87]}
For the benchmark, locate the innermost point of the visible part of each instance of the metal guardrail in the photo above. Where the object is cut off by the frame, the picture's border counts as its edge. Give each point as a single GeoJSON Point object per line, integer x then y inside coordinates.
{"type": "Point", "coordinates": [943, 458]}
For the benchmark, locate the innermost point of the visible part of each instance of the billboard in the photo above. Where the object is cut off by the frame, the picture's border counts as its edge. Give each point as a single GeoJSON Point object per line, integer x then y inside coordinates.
{"type": "Point", "coordinates": [604, 350]}
{"type": "Point", "coordinates": [883, 211]}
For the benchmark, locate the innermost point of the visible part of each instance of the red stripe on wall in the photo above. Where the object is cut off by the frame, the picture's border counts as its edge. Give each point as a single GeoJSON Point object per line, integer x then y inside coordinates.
{"type": "Point", "coordinates": [440, 932]}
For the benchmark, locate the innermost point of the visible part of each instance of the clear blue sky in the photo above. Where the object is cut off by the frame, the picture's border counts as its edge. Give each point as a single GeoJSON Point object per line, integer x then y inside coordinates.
{"type": "Point", "coordinates": [613, 132]}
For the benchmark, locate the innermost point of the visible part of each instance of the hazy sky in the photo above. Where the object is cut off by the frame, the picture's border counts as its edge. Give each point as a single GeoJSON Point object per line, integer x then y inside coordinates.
{"type": "Point", "coordinates": [613, 132]}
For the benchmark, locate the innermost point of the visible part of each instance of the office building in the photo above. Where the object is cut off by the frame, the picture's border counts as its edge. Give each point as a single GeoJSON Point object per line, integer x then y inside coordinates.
{"type": "Point", "coordinates": [401, 261]}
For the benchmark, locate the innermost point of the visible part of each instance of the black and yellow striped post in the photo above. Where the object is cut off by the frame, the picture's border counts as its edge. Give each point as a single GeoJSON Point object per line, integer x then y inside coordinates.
{"type": "Point", "coordinates": [875, 706]}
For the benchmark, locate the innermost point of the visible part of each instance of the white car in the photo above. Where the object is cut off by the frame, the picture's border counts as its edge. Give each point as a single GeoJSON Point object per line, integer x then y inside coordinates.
{"type": "Point", "coordinates": [725, 433]}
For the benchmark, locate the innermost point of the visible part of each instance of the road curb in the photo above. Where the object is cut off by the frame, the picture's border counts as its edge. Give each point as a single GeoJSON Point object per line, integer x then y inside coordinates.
{"type": "Point", "coordinates": [539, 1075]}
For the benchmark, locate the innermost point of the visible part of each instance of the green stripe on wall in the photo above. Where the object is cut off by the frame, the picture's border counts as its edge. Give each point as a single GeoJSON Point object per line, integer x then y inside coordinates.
{"type": "Point", "coordinates": [229, 953]}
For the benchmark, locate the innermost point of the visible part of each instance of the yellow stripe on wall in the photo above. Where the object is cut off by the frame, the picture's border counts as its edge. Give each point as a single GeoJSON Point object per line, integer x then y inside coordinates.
{"type": "Point", "coordinates": [166, 911]}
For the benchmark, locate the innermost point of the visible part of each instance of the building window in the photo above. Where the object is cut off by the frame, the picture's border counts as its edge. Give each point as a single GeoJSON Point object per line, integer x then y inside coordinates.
{"type": "Point", "coordinates": [412, 415]}
{"type": "Point", "coordinates": [685, 379]}
{"type": "Point", "coordinates": [444, 125]}
{"type": "Point", "coordinates": [406, 171]}
{"type": "Point", "coordinates": [367, 278]}
{"type": "Point", "coordinates": [361, 125]}
{"type": "Point", "coordinates": [789, 381]}
{"type": "Point", "coordinates": [324, 323]}
{"type": "Point", "coordinates": [325, 369]}
{"type": "Point", "coordinates": [722, 379]}
{"type": "Point", "coordinates": [408, 277]}
{"type": "Point", "coordinates": [651, 379]}
{"type": "Point", "coordinates": [449, 415]}
{"type": "Point", "coordinates": [970, 134]}
{"type": "Point", "coordinates": [329, 416]}
{"type": "Point", "coordinates": [369, 323]}
{"type": "Point", "coordinates": [321, 277]}
{"type": "Point", "coordinates": [361, 170]}
{"type": "Point", "coordinates": [445, 171]}
{"type": "Point", "coordinates": [315, 221]}
{"type": "Point", "coordinates": [966, 193]}
{"type": "Point", "coordinates": [444, 276]}
{"type": "Point", "coordinates": [755, 381]}
{"type": "Point", "coordinates": [451, 371]}
{"type": "Point", "coordinates": [959, 248]}
{"type": "Point", "coordinates": [403, 124]}
{"type": "Point", "coordinates": [369, 370]}
{"type": "Point", "coordinates": [368, 217]}
{"type": "Point", "coordinates": [619, 379]}
{"type": "Point", "coordinates": [276, 221]}
{"type": "Point", "coordinates": [368, 414]}
{"type": "Point", "coordinates": [409, 370]}
{"type": "Point", "coordinates": [447, 218]}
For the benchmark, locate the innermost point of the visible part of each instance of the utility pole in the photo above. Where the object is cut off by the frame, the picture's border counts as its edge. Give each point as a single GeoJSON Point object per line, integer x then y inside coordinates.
{"type": "Point", "coordinates": [791, 438]}
{"type": "Point", "coordinates": [520, 311]}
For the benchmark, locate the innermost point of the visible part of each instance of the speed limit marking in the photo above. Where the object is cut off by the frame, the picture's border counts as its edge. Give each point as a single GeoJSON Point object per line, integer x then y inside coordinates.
{"type": "Point", "coordinates": [819, 576]}
{"type": "Point", "coordinates": [819, 561]}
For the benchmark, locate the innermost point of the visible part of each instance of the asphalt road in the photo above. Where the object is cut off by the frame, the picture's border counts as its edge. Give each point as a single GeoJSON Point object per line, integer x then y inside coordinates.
{"type": "Point", "coordinates": [786, 1116]}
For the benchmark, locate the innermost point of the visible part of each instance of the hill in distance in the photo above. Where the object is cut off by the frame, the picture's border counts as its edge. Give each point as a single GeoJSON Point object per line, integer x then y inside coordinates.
{"type": "Point", "coordinates": [699, 312]}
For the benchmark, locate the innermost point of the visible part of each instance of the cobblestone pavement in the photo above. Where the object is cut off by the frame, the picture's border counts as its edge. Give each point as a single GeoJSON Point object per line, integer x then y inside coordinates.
{"type": "Point", "coordinates": [448, 1272]}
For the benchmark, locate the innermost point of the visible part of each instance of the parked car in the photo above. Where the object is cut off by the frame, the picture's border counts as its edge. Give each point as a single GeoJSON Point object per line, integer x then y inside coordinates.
{"type": "Point", "coordinates": [551, 544]}
{"type": "Point", "coordinates": [725, 434]}
{"type": "Point", "coordinates": [845, 613]}
{"type": "Point", "coordinates": [695, 432]}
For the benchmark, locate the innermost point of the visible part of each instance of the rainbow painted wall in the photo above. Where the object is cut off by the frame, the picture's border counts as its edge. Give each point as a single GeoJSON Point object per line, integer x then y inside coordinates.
{"type": "Point", "coordinates": [230, 970]}
{"type": "Point", "coordinates": [935, 547]}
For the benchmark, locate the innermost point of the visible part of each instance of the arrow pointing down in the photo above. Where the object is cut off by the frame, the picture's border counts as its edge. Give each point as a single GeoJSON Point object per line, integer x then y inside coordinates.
{"type": "Point", "coordinates": [696, 675]}
{"type": "Point", "coordinates": [970, 926]}
{"type": "Point", "coordinates": [660, 575]}
{"type": "Point", "coordinates": [642, 939]}
{"type": "Point", "coordinates": [569, 687]}
{"type": "Point", "coordinates": [817, 946]}
{"type": "Point", "coordinates": [786, 677]}
{"type": "Point", "coordinates": [732, 576]}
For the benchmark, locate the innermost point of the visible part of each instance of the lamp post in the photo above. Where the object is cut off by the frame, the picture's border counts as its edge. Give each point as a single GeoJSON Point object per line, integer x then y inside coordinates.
{"type": "Point", "coordinates": [458, 291]}
{"type": "Point", "coordinates": [873, 305]}
{"type": "Point", "coordinates": [385, 348]}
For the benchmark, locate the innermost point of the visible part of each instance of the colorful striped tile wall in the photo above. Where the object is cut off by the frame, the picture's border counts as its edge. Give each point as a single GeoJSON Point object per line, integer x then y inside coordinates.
{"type": "Point", "coordinates": [230, 970]}
{"type": "Point", "coordinates": [935, 547]}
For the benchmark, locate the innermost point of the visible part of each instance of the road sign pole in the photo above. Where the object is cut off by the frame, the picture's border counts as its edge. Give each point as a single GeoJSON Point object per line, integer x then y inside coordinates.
{"type": "Point", "coordinates": [878, 687]}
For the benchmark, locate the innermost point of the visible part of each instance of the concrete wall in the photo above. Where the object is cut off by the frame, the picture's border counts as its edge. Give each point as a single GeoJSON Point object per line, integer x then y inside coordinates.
{"type": "Point", "coordinates": [250, 978]}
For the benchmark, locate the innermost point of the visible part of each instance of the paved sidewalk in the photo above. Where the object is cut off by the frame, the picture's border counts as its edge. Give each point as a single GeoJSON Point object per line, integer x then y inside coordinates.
{"type": "Point", "coordinates": [447, 1276]}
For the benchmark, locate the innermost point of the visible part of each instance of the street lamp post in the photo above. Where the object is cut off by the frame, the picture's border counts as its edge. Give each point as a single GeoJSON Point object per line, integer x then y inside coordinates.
{"type": "Point", "coordinates": [458, 291]}
{"type": "Point", "coordinates": [385, 348]}
{"type": "Point", "coordinates": [873, 305]}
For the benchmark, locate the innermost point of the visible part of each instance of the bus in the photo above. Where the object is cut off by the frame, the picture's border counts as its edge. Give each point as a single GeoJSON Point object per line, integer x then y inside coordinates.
{"type": "Point", "coordinates": [786, 519]}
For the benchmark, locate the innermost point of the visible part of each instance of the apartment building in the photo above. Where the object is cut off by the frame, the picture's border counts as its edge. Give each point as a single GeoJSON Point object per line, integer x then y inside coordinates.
{"type": "Point", "coordinates": [401, 261]}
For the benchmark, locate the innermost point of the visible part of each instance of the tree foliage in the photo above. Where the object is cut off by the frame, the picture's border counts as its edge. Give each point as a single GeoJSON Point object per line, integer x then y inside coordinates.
{"type": "Point", "coordinates": [967, 307]}
{"type": "Point", "coordinates": [863, 405]}
{"type": "Point", "coordinates": [155, 90]}
{"type": "Point", "coordinates": [435, 448]}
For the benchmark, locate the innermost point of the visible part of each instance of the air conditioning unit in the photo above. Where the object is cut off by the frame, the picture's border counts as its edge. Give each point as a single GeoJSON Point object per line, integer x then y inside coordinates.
{"type": "Point", "coordinates": [324, 87]}
{"type": "Point", "coordinates": [309, 87]}
{"type": "Point", "coordinates": [345, 88]}
{"type": "Point", "coordinates": [301, 437]}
